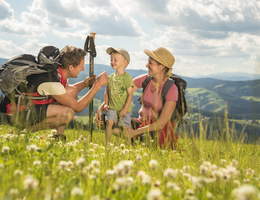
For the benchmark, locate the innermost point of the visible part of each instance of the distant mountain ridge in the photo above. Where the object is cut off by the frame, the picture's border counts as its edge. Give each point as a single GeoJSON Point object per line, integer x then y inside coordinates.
{"type": "Point", "coordinates": [240, 98]}
{"type": "Point", "coordinates": [232, 76]}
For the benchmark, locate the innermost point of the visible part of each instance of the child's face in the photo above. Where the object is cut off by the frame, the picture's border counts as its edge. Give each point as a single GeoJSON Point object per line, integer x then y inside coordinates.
{"type": "Point", "coordinates": [117, 61]}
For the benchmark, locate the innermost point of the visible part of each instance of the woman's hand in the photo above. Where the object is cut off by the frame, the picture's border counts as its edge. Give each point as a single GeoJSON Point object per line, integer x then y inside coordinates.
{"type": "Point", "coordinates": [129, 133]}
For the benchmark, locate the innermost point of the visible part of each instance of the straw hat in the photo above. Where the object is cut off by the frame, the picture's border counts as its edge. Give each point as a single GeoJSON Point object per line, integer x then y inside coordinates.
{"type": "Point", "coordinates": [123, 52]}
{"type": "Point", "coordinates": [161, 55]}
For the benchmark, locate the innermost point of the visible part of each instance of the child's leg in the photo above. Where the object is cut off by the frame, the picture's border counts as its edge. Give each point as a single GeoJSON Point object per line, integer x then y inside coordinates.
{"type": "Point", "coordinates": [109, 125]}
{"type": "Point", "coordinates": [111, 119]}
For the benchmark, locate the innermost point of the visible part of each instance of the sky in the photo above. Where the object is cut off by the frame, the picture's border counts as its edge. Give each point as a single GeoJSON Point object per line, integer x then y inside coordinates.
{"type": "Point", "coordinates": [205, 36]}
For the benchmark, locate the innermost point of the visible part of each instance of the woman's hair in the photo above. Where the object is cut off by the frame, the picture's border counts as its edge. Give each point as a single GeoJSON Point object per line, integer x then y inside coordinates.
{"type": "Point", "coordinates": [167, 71]}
{"type": "Point", "coordinates": [71, 55]}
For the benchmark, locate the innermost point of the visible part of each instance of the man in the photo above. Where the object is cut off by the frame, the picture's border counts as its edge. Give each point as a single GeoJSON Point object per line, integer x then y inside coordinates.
{"type": "Point", "coordinates": [58, 109]}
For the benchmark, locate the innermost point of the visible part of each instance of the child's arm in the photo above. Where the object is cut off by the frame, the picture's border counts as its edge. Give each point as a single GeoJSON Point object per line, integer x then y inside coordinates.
{"type": "Point", "coordinates": [105, 104]}
{"type": "Point", "coordinates": [130, 92]}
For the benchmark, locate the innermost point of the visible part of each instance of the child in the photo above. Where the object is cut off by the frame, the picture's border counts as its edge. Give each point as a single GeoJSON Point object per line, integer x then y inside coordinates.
{"type": "Point", "coordinates": [118, 97]}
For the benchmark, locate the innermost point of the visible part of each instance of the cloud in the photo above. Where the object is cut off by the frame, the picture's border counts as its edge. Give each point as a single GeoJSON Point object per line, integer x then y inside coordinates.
{"type": "Point", "coordinates": [205, 18]}
{"type": "Point", "coordinates": [9, 49]}
{"type": "Point", "coordinates": [5, 10]}
{"type": "Point", "coordinates": [97, 16]}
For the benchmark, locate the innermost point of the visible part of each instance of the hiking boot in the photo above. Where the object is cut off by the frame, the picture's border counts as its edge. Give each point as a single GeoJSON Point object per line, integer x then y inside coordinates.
{"type": "Point", "coordinates": [59, 137]}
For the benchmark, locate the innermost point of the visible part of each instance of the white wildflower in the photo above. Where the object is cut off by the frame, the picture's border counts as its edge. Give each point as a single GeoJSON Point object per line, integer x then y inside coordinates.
{"type": "Point", "coordinates": [76, 191]}
{"type": "Point", "coordinates": [122, 146]}
{"type": "Point", "coordinates": [153, 164]}
{"type": "Point", "coordinates": [237, 182]}
{"type": "Point", "coordinates": [95, 163]}
{"type": "Point", "coordinates": [5, 149]}
{"type": "Point", "coordinates": [123, 182]}
{"type": "Point", "coordinates": [145, 179]}
{"type": "Point", "coordinates": [209, 195]}
{"type": "Point", "coordinates": [234, 162]}
{"type": "Point", "coordinates": [110, 172]}
{"type": "Point", "coordinates": [173, 186]}
{"type": "Point", "coordinates": [138, 158]}
{"type": "Point", "coordinates": [32, 147]}
{"type": "Point", "coordinates": [170, 173]}
{"type": "Point", "coordinates": [223, 161]}
{"type": "Point", "coordinates": [37, 162]}
{"type": "Point", "coordinates": [13, 191]}
{"type": "Point", "coordinates": [189, 192]}
{"type": "Point", "coordinates": [30, 182]}
{"type": "Point", "coordinates": [80, 161]}
{"type": "Point", "coordinates": [154, 194]}
{"type": "Point", "coordinates": [245, 192]}
{"type": "Point", "coordinates": [18, 172]}
{"type": "Point", "coordinates": [249, 172]}
{"type": "Point", "coordinates": [95, 197]}
{"type": "Point", "coordinates": [123, 167]}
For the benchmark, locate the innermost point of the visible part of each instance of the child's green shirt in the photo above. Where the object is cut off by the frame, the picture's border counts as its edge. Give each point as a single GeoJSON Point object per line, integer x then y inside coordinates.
{"type": "Point", "coordinates": [117, 90]}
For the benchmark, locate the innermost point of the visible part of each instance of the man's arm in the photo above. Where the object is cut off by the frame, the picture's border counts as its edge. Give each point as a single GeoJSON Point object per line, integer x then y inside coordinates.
{"type": "Point", "coordinates": [74, 89]}
{"type": "Point", "coordinates": [79, 105]}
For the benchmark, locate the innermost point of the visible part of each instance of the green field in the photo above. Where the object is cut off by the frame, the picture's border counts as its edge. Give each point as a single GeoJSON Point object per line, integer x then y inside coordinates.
{"type": "Point", "coordinates": [33, 166]}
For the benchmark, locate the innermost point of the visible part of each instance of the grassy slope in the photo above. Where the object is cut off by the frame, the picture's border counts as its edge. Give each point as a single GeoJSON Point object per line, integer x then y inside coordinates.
{"type": "Point", "coordinates": [57, 182]}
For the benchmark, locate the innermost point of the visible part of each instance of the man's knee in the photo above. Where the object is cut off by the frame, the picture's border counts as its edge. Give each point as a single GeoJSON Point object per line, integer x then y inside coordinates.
{"type": "Point", "coordinates": [66, 115]}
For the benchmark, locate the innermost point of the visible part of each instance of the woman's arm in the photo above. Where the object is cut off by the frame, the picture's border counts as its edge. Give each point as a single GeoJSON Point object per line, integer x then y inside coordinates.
{"type": "Point", "coordinates": [164, 117]}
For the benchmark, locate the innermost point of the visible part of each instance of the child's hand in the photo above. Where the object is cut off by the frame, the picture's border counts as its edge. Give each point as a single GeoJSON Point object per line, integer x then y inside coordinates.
{"type": "Point", "coordinates": [122, 113]}
{"type": "Point", "coordinates": [105, 107]}
{"type": "Point", "coordinates": [98, 119]}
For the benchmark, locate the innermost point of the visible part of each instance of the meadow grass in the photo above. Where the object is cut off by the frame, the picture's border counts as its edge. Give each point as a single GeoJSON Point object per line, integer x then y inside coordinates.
{"type": "Point", "coordinates": [34, 166]}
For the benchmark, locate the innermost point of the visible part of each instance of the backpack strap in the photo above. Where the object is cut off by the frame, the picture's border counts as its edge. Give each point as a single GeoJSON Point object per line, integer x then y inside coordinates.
{"type": "Point", "coordinates": [146, 81]}
{"type": "Point", "coordinates": [167, 85]}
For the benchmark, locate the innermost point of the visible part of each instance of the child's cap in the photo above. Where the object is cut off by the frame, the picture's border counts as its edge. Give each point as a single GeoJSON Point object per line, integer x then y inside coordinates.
{"type": "Point", "coordinates": [123, 52]}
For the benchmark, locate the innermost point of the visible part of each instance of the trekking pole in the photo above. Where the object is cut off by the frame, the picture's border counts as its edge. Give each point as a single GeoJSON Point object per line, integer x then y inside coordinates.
{"type": "Point", "coordinates": [89, 47]}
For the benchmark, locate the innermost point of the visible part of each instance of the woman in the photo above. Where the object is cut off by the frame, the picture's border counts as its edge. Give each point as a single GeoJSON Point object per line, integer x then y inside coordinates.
{"type": "Point", "coordinates": [154, 115]}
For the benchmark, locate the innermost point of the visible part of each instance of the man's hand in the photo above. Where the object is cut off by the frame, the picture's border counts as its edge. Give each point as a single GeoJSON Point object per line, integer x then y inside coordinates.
{"type": "Point", "coordinates": [90, 80]}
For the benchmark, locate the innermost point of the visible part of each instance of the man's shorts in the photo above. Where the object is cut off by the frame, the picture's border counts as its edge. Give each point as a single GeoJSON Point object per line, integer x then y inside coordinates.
{"type": "Point", "coordinates": [33, 115]}
{"type": "Point", "coordinates": [113, 115]}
